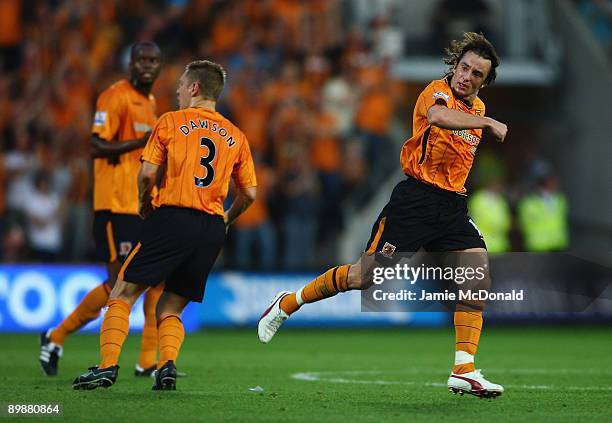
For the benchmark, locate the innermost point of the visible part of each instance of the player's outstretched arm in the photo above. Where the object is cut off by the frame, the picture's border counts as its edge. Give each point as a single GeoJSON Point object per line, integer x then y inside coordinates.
{"type": "Point", "coordinates": [243, 200]}
{"type": "Point", "coordinates": [446, 118]}
{"type": "Point", "coordinates": [105, 149]}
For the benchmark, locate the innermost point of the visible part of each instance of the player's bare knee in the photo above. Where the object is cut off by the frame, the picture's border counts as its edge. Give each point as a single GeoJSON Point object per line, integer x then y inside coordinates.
{"type": "Point", "coordinates": [170, 304]}
{"type": "Point", "coordinates": [356, 279]}
{"type": "Point", "coordinates": [126, 291]}
{"type": "Point", "coordinates": [479, 280]}
{"type": "Point", "coordinates": [160, 307]}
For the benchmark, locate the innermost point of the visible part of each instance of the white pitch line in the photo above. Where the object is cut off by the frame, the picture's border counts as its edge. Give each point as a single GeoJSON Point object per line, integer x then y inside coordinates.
{"type": "Point", "coordinates": [319, 377]}
{"type": "Point", "coordinates": [528, 371]}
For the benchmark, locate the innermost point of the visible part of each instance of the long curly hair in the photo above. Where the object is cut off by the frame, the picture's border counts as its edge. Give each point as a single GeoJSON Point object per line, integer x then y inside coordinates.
{"type": "Point", "coordinates": [476, 43]}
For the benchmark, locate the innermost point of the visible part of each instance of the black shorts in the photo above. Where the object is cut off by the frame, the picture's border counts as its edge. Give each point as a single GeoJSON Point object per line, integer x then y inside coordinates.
{"type": "Point", "coordinates": [422, 216]}
{"type": "Point", "coordinates": [178, 246]}
{"type": "Point", "coordinates": [126, 230]}
{"type": "Point", "coordinates": [103, 235]}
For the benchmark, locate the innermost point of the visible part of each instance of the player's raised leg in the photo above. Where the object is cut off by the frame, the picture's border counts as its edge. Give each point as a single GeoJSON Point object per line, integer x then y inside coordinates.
{"type": "Point", "coordinates": [465, 378]}
{"type": "Point", "coordinates": [113, 332]}
{"type": "Point", "coordinates": [338, 279]}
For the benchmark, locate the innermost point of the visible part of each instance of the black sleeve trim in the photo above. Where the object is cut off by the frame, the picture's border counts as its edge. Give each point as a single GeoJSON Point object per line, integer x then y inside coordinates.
{"type": "Point", "coordinates": [424, 144]}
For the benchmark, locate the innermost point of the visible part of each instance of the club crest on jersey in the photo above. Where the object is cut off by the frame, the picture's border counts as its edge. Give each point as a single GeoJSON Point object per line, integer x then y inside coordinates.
{"type": "Point", "coordinates": [124, 248]}
{"type": "Point", "coordinates": [388, 250]}
{"type": "Point", "coordinates": [440, 94]}
{"type": "Point", "coordinates": [478, 112]}
{"type": "Point", "coordinates": [99, 118]}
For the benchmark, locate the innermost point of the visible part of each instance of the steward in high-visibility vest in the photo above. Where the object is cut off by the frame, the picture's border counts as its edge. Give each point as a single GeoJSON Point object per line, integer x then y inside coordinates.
{"type": "Point", "coordinates": [542, 217]}
{"type": "Point", "coordinates": [491, 213]}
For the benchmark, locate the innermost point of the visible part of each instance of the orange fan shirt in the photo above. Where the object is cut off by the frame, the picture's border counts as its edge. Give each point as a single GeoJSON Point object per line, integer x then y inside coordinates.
{"type": "Point", "coordinates": [122, 114]}
{"type": "Point", "coordinates": [441, 157]}
{"type": "Point", "coordinates": [202, 151]}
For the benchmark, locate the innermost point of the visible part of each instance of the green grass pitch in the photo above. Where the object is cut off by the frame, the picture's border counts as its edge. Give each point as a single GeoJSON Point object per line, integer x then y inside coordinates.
{"type": "Point", "coordinates": [374, 375]}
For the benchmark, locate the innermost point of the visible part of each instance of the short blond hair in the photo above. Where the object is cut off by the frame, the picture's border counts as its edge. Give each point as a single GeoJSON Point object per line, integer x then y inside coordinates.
{"type": "Point", "coordinates": [209, 75]}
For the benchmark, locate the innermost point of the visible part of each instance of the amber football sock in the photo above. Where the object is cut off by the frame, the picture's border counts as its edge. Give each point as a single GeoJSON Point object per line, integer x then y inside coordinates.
{"type": "Point", "coordinates": [87, 310]}
{"type": "Point", "coordinates": [171, 333]}
{"type": "Point", "coordinates": [113, 332]}
{"type": "Point", "coordinates": [148, 343]}
{"type": "Point", "coordinates": [327, 285]}
{"type": "Point", "coordinates": [468, 326]}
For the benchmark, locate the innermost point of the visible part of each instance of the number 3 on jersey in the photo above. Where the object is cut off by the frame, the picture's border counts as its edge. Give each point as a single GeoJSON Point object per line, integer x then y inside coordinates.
{"type": "Point", "coordinates": [205, 162]}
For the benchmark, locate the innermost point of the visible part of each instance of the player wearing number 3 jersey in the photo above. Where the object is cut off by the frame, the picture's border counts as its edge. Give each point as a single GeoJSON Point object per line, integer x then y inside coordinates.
{"type": "Point", "coordinates": [185, 224]}
{"type": "Point", "coordinates": [206, 150]}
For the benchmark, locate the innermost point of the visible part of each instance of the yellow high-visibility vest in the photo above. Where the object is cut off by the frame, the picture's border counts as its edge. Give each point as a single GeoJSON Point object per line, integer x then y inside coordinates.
{"type": "Point", "coordinates": [491, 214]}
{"type": "Point", "coordinates": [543, 221]}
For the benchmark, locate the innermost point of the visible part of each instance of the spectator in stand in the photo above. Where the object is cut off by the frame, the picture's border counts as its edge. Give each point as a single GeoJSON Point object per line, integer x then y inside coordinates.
{"type": "Point", "coordinates": [43, 213]}
{"type": "Point", "coordinates": [543, 216]}
{"type": "Point", "coordinates": [14, 245]}
{"type": "Point", "coordinates": [300, 188]}
{"type": "Point", "coordinates": [250, 112]}
{"type": "Point", "coordinates": [387, 39]}
{"type": "Point", "coordinates": [339, 100]}
{"type": "Point", "coordinates": [375, 111]}
{"type": "Point", "coordinates": [255, 234]}
{"type": "Point", "coordinates": [326, 159]}
{"type": "Point", "coordinates": [20, 163]}
{"type": "Point", "coordinates": [354, 166]}
{"type": "Point", "coordinates": [289, 86]}
{"type": "Point", "coordinates": [77, 234]}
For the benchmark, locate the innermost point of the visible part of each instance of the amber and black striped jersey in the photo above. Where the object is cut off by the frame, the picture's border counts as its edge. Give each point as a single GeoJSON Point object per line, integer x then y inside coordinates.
{"type": "Point", "coordinates": [202, 151]}
{"type": "Point", "coordinates": [441, 157]}
{"type": "Point", "coordinates": [122, 114]}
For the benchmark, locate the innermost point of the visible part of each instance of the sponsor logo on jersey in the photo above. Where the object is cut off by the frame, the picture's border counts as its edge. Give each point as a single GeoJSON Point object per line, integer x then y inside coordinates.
{"type": "Point", "coordinates": [471, 139]}
{"type": "Point", "coordinates": [440, 94]}
{"type": "Point", "coordinates": [100, 118]}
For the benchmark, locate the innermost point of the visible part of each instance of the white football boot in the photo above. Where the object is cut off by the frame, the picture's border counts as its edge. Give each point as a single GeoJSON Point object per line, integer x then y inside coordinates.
{"type": "Point", "coordinates": [272, 319]}
{"type": "Point", "coordinates": [473, 383]}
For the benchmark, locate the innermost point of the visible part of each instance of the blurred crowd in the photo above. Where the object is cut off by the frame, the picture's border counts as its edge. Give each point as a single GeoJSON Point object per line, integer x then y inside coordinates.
{"type": "Point", "coordinates": [312, 91]}
{"type": "Point", "coordinates": [313, 95]}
